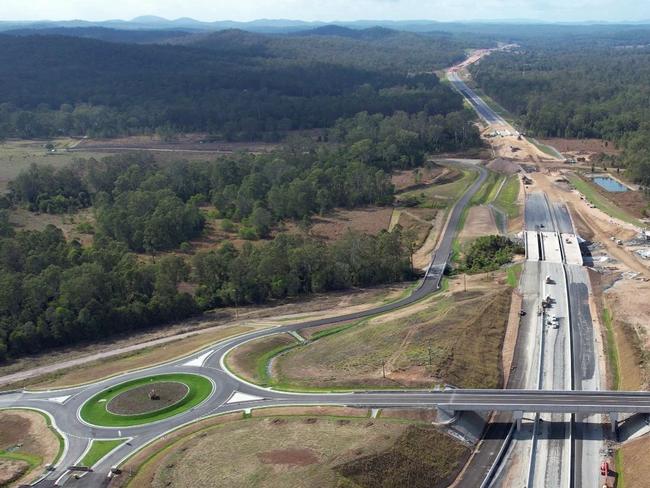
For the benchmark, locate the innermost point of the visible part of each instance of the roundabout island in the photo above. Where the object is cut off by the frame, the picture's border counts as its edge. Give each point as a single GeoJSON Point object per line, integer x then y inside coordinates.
{"type": "Point", "coordinates": [145, 400]}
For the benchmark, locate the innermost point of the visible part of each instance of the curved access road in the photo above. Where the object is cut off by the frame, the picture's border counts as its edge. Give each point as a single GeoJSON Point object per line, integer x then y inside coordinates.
{"type": "Point", "coordinates": [230, 393]}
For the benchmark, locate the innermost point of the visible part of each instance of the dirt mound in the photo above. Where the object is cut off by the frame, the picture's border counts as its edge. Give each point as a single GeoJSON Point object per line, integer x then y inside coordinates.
{"type": "Point", "coordinates": [503, 166]}
{"type": "Point", "coordinates": [148, 398]}
{"type": "Point", "coordinates": [292, 457]}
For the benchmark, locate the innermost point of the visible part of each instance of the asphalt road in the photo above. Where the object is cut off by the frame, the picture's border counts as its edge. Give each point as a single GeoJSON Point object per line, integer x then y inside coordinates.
{"type": "Point", "coordinates": [63, 405]}
{"type": "Point", "coordinates": [482, 108]}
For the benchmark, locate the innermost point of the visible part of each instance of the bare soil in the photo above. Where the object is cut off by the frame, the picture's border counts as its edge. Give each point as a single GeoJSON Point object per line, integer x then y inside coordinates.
{"type": "Point", "coordinates": [582, 147]}
{"type": "Point", "coordinates": [22, 431]}
{"type": "Point", "coordinates": [408, 179]}
{"type": "Point", "coordinates": [371, 220]}
{"type": "Point", "coordinates": [147, 398]}
{"type": "Point", "coordinates": [427, 415]}
{"type": "Point", "coordinates": [290, 457]}
{"type": "Point", "coordinates": [480, 222]}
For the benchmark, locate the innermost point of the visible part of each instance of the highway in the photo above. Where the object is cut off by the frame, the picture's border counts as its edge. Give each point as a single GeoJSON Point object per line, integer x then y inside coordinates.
{"type": "Point", "coordinates": [481, 108]}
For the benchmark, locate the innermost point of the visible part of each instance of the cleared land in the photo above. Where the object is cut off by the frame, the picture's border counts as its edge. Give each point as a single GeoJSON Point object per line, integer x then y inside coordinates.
{"type": "Point", "coordinates": [27, 445]}
{"type": "Point", "coordinates": [601, 201]}
{"type": "Point", "coordinates": [480, 222]}
{"type": "Point", "coordinates": [581, 147]}
{"type": "Point", "coordinates": [18, 155]}
{"type": "Point", "coordinates": [418, 177]}
{"type": "Point", "coordinates": [306, 452]}
{"type": "Point", "coordinates": [635, 466]}
{"type": "Point", "coordinates": [367, 220]}
{"type": "Point", "coordinates": [431, 342]}
{"type": "Point", "coordinates": [441, 194]}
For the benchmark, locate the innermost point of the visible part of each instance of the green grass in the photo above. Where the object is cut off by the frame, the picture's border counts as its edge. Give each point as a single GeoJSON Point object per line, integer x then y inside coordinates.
{"type": "Point", "coordinates": [264, 359]}
{"type": "Point", "coordinates": [514, 272]}
{"type": "Point", "coordinates": [612, 349]}
{"type": "Point", "coordinates": [487, 192]}
{"type": "Point", "coordinates": [600, 202]}
{"type": "Point", "coordinates": [618, 463]}
{"type": "Point", "coordinates": [506, 200]}
{"type": "Point", "coordinates": [442, 196]}
{"type": "Point", "coordinates": [94, 410]}
{"type": "Point", "coordinates": [98, 449]}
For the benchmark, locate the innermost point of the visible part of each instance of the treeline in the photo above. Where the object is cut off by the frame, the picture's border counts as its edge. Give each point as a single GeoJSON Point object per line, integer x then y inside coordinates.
{"type": "Point", "coordinates": [55, 85]}
{"type": "Point", "coordinates": [55, 293]}
{"type": "Point", "coordinates": [583, 89]}
{"type": "Point", "coordinates": [151, 207]}
{"type": "Point", "coordinates": [489, 253]}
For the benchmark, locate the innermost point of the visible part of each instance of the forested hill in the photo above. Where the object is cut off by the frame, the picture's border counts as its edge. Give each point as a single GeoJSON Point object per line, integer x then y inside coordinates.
{"type": "Point", "coordinates": [233, 84]}
{"type": "Point", "coordinates": [585, 87]}
{"type": "Point", "coordinates": [373, 48]}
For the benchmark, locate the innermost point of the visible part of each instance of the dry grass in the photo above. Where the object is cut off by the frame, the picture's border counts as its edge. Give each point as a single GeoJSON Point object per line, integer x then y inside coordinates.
{"type": "Point", "coordinates": [636, 468]}
{"type": "Point", "coordinates": [23, 219]}
{"type": "Point", "coordinates": [371, 220]}
{"type": "Point", "coordinates": [409, 178]}
{"type": "Point", "coordinates": [287, 451]}
{"type": "Point", "coordinates": [431, 342]}
{"type": "Point", "coordinates": [422, 457]}
{"type": "Point", "coordinates": [18, 155]}
{"type": "Point", "coordinates": [25, 433]}
{"type": "Point", "coordinates": [139, 359]}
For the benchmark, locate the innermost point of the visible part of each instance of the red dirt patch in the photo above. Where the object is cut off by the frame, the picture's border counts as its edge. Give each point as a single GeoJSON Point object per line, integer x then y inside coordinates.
{"type": "Point", "coordinates": [292, 457]}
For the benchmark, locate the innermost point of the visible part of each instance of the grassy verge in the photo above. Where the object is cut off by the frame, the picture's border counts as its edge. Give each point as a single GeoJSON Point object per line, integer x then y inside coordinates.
{"type": "Point", "coordinates": [487, 192]}
{"type": "Point", "coordinates": [506, 200]}
{"type": "Point", "coordinates": [131, 361]}
{"type": "Point", "coordinates": [514, 272]}
{"type": "Point", "coordinates": [99, 449]}
{"type": "Point", "coordinates": [600, 202]}
{"type": "Point", "coordinates": [612, 349]}
{"type": "Point", "coordinates": [618, 463]}
{"type": "Point", "coordinates": [94, 410]}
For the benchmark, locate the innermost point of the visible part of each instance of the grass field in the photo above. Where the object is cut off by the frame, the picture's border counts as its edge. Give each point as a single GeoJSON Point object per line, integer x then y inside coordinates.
{"type": "Point", "coordinates": [487, 192]}
{"type": "Point", "coordinates": [599, 201]}
{"type": "Point", "coordinates": [430, 343]}
{"type": "Point", "coordinates": [18, 155]}
{"type": "Point", "coordinates": [612, 350]}
{"type": "Point", "coordinates": [307, 451]}
{"type": "Point", "coordinates": [98, 449]}
{"type": "Point", "coordinates": [94, 410]}
{"type": "Point", "coordinates": [506, 200]}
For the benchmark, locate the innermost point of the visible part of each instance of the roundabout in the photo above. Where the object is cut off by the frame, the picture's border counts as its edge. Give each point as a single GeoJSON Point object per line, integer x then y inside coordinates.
{"type": "Point", "coordinates": [145, 400]}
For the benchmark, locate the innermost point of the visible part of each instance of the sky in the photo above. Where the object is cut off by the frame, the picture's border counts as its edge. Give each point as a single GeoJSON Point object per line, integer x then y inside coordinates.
{"type": "Point", "coordinates": [330, 10]}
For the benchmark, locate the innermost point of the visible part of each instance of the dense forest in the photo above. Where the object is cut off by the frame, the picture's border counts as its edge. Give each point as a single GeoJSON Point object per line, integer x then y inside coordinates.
{"type": "Point", "coordinates": [152, 208]}
{"type": "Point", "coordinates": [580, 88]}
{"type": "Point", "coordinates": [54, 292]}
{"type": "Point", "coordinates": [232, 84]}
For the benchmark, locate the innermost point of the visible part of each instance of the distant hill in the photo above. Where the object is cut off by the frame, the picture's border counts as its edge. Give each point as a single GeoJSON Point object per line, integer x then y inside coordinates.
{"type": "Point", "coordinates": [104, 34]}
{"type": "Point", "coordinates": [340, 31]}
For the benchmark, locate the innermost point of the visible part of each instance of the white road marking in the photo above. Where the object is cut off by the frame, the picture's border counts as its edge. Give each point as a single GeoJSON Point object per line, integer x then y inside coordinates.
{"type": "Point", "coordinates": [198, 362]}
{"type": "Point", "coordinates": [239, 397]}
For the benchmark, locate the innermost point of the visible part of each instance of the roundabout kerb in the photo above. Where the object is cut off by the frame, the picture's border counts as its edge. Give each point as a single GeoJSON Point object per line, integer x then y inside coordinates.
{"type": "Point", "coordinates": [95, 412]}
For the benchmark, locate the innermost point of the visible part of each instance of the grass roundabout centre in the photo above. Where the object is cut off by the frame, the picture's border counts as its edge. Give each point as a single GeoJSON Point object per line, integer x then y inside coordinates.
{"type": "Point", "coordinates": [145, 400]}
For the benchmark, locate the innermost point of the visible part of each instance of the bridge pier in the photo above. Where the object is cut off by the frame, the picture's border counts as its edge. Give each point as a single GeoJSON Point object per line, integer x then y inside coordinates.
{"type": "Point", "coordinates": [518, 415]}
{"type": "Point", "coordinates": [445, 415]}
{"type": "Point", "coordinates": [613, 418]}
